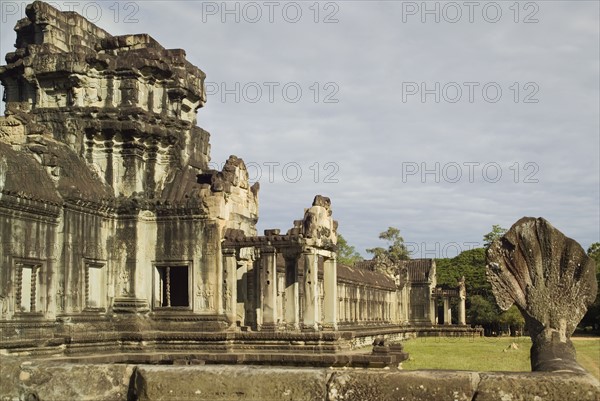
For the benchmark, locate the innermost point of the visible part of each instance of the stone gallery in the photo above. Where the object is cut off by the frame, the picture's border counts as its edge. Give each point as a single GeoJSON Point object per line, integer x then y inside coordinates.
{"type": "Point", "coordinates": [121, 251]}
{"type": "Point", "coordinates": [117, 235]}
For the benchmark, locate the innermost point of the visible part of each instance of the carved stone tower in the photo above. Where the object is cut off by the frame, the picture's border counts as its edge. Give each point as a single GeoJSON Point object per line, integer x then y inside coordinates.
{"type": "Point", "coordinates": [110, 205]}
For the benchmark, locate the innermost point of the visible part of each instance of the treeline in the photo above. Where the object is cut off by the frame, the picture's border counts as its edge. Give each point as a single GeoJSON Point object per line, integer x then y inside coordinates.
{"type": "Point", "coordinates": [482, 309]}
{"type": "Point", "coordinates": [481, 305]}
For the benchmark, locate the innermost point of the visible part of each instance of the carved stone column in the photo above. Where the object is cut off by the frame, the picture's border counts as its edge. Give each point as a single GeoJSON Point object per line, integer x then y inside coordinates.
{"type": "Point", "coordinates": [243, 275]}
{"type": "Point", "coordinates": [292, 297]}
{"type": "Point", "coordinates": [462, 315]}
{"type": "Point", "coordinates": [268, 284]}
{"type": "Point", "coordinates": [133, 246]}
{"type": "Point", "coordinates": [447, 311]}
{"type": "Point", "coordinates": [310, 313]}
{"type": "Point", "coordinates": [462, 296]}
{"type": "Point", "coordinates": [255, 292]}
{"type": "Point", "coordinates": [433, 310]}
{"type": "Point", "coordinates": [330, 302]}
{"type": "Point", "coordinates": [230, 284]}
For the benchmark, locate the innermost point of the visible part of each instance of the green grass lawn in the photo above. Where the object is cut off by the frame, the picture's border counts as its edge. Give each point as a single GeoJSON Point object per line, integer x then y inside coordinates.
{"type": "Point", "coordinates": [488, 353]}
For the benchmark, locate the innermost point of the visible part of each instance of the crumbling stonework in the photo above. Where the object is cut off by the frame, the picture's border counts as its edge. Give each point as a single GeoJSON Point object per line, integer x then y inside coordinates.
{"type": "Point", "coordinates": [106, 191]}
{"type": "Point", "coordinates": [54, 381]}
{"type": "Point", "coordinates": [121, 249]}
{"type": "Point", "coordinates": [551, 280]}
{"type": "Point", "coordinates": [116, 237]}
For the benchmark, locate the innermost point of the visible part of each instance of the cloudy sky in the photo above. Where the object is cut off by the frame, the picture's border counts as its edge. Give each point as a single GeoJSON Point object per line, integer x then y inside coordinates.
{"type": "Point", "coordinates": [439, 118]}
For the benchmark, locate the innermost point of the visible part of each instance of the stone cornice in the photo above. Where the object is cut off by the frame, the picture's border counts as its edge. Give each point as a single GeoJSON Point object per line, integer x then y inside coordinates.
{"type": "Point", "coordinates": [35, 209]}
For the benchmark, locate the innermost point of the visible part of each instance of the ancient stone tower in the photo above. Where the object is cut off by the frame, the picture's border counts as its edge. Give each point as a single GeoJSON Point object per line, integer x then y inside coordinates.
{"type": "Point", "coordinates": [107, 199]}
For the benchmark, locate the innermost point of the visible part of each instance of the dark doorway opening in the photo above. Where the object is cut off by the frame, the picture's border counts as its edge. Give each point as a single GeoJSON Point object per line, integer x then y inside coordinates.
{"type": "Point", "coordinates": [174, 286]}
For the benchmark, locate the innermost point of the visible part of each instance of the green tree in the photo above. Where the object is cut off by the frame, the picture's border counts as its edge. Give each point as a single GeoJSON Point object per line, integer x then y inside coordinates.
{"type": "Point", "coordinates": [594, 253]}
{"type": "Point", "coordinates": [483, 312]}
{"type": "Point", "coordinates": [346, 253]}
{"type": "Point", "coordinates": [481, 304]}
{"type": "Point", "coordinates": [471, 264]}
{"type": "Point", "coordinates": [592, 316]}
{"type": "Point", "coordinates": [496, 233]}
{"type": "Point", "coordinates": [513, 319]}
{"type": "Point", "coordinates": [396, 250]}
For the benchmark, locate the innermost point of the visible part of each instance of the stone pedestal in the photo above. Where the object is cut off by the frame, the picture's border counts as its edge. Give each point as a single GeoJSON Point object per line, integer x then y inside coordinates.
{"type": "Point", "coordinates": [130, 305]}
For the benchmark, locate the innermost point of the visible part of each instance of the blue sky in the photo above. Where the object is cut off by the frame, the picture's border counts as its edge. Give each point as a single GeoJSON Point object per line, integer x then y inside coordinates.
{"type": "Point", "coordinates": [439, 118]}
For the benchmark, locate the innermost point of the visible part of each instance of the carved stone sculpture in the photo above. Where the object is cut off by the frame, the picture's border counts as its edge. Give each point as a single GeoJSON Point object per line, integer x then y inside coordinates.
{"type": "Point", "coordinates": [317, 222]}
{"type": "Point", "coordinates": [551, 280]}
{"type": "Point", "coordinates": [462, 288]}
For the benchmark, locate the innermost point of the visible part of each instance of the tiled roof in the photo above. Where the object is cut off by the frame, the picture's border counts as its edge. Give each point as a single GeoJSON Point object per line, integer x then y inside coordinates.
{"type": "Point", "coordinates": [419, 270]}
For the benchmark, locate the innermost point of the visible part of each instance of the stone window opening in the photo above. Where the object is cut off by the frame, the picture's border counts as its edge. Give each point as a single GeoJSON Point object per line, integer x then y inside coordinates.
{"type": "Point", "coordinates": [172, 286]}
{"type": "Point", "coordinates": [27, 286]}
{"type": "Point", "coordinates": [95, 286]}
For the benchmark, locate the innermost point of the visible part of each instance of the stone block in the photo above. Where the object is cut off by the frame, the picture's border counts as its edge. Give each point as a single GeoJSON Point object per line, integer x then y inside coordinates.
{"type": "Point", "coordinates": [537, 386]}
{"type": "Point", "coordinates": [378, 385]}
{"type": "Point", "coordinates": [164, 383]}
{"type": "Point", "coordinates": [62, 381]}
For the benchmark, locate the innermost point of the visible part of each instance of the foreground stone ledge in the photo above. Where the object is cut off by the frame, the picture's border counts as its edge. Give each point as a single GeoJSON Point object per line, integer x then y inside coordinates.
{"type": "Point", "coordinates": [229, 383]}
{"type": "Point", "coordinates": [21, 378]}
{"type": "Point", "coordinates": [50, 381]}
{"type": "Point", "coordinates": [537, 386]}
{"type": "Point", "coordinates": [371, 385]}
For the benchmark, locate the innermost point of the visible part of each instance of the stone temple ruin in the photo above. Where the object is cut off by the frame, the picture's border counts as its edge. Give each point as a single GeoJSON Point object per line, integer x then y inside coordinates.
{"type": "Point", "coordinates": [118, 244]}
{"type": "Point", "coordinates": [115, 232]}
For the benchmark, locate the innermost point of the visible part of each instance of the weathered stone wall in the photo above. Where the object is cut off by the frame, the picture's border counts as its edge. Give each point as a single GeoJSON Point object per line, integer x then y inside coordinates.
{"type": "Point", "coordinates": [104, 179]}
{"type": "Point", "coordinates": [91, 91]}
{"type": "Point", "coordinates": [60, 381]}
